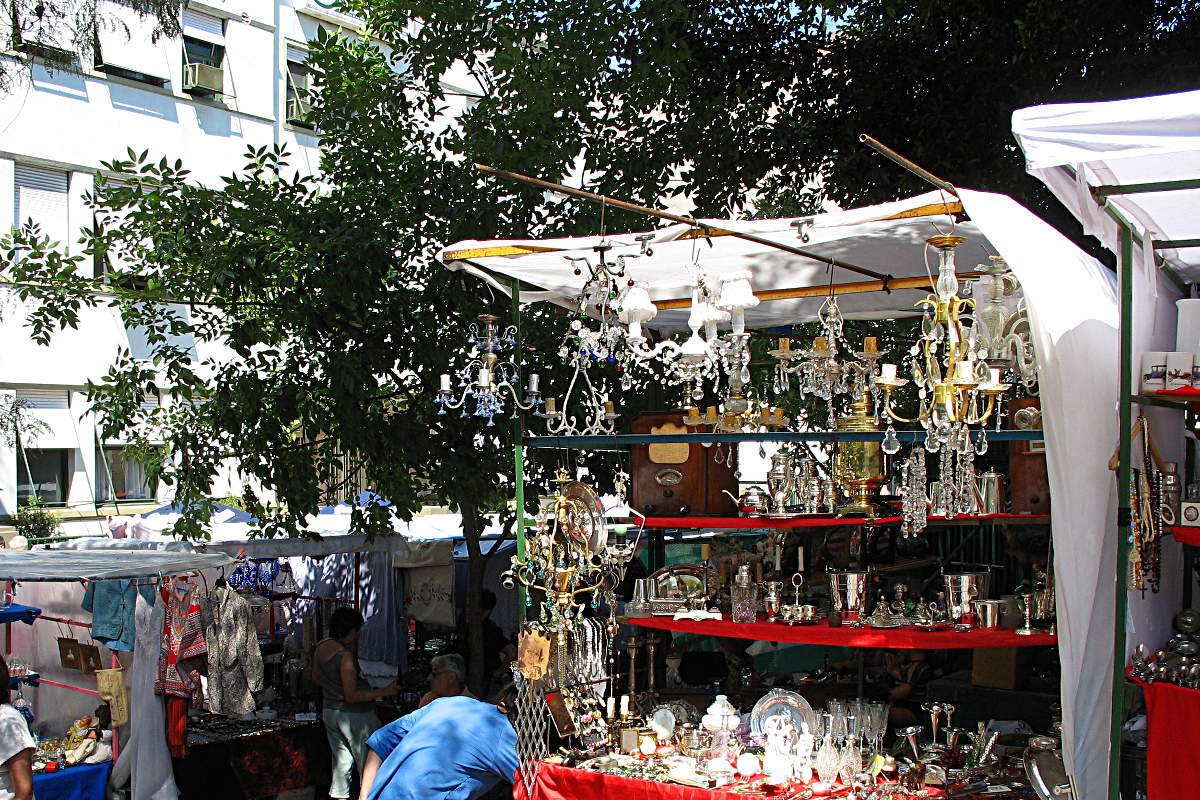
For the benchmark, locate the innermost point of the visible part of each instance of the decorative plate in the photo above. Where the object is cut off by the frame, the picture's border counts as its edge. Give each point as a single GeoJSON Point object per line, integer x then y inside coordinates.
{"type": "Point", "coordinates": [781, 702]}
{"type": "Point", "coordinates": [662, 719]}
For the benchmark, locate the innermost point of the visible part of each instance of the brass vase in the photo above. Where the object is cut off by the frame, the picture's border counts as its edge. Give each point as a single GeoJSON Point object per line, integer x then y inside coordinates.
{"type": "Point", "coordinates": [858, 466]}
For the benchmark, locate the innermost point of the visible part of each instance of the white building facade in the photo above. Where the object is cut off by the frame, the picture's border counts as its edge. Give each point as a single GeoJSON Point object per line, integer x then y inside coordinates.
{"type": "Point", "coordinates": [235, 79]}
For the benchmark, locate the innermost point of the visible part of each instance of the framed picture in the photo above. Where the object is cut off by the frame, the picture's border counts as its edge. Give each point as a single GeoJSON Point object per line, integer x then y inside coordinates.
{"type": "Point", "coordinates": [90, 654]}
{"type": "Point", "coordinates": [69, 653]}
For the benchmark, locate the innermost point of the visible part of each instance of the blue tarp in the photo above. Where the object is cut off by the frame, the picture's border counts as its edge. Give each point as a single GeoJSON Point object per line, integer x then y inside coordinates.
{"type": "Point", "coordinates": [19, 613]}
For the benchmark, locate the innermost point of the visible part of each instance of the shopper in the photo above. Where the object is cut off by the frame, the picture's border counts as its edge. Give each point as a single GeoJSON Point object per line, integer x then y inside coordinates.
{"type": "Point", "coordinates": [498, 650]}
{"type": "Point", "coordinates": [348, 701]}
{"type": "Point", "coordinates": [16, 746]}
{"type": "Point", "coordinates": [456, 748]}
{"type": "Point", "coordinates": [447, 678]}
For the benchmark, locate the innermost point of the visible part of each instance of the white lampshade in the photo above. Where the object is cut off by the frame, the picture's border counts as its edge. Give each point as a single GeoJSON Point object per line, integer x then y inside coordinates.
{"type": "Point", "coordinates": [736, 291]}
{"type": "Point", "coordinates": [636, 307]}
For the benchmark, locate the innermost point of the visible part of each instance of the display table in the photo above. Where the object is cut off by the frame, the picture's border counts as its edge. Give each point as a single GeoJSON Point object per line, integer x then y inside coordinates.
{"type": "Point", "coordinates": [819, 521]}
{"type": "Point", "coordinates": [844, 636]}
{"type": "Point", "coordinates": [254, 765]}
{"type": "Point", "coordinates": [81, 782]}
{"type": "Point", "coordinates": [15, 612]}
{"type": "Point", "coordinates": [1172, 739]}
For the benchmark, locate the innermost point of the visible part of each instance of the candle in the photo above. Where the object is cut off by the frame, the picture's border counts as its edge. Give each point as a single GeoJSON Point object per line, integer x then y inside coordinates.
{"type": "Point", "coordinates": [705, 549]}
{"type": "Point", "coordinates": [445, 383]}
{"type": "Point", "coordinates": [995, 373]}
{"type": "Point", "coordinates": [533, 382]}
{"type": "Point", "coordinates": [608, 408]}
{"type": "Point", "coordinates": [778, 413]}
{"type": "Point", "coordinates": [870, 344]}
{"type": "Point", "coordinates": [778, 555]}
{"type": "Point", "coordinates": [624, 705]}
{"type": "Point", "coordinates": [785, 344]}
{"type": "Point", "coordinates": [693, 415]}
{"type": "Point", "coordinates": [550, 405]}
{"type": "Point", "coordinates": [964, 370]}
{"type": "Point", "coordinates": [820, 343]}
{"type": "Point", "coordinates": [758, 570]}
{"type": "Point", "coordinates": [710, 413]}
{"type": "Point", "coordinates": [887, 371]}
{"type": "Point", "coordinates": [485, 377]}
{"type": "Point", "coordinates": [800, 559]}
{"type": "Point", "coordinates": [610, 707]}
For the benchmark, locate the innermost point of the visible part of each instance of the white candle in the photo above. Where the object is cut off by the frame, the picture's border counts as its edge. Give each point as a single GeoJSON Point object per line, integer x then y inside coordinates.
{"type": "Point", "coordinates": [485, 377]}
{"type": "Point", "coordinates": [445, 383]}
{"type": "Point", "coordinates": [610, 707]}
{"type": "Point", "coordinates": [995, 372]}
{"type": "Point", "coordinates": [800, 559]}
{"type": "Point", "coordinates": [964, 370]}
{"type": "Point", "coordinates": [550, 401]}
{"type": "Point", "coordinates": [624, 705]}
{"type": "Point", "coordinates": [887, 371]}
{"type": "Point", "coordinates": [778, 555]}
{"type": "Point", "coordinates": [533, 382]}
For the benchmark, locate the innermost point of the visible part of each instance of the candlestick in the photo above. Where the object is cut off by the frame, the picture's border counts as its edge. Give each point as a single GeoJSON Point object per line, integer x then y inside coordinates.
{"type": "Point", "coordinates": [758, 571]}
{"type": "Point", "coordinates": [887, 371]}
{"type": "Point", "coordinates": [785, 344]}
{"type": "Point", "coordinates": [445, 383]}
{"type": "Point", "coordinates": [870, 344]}
{"type": "Point", "coordinates": [778, 556]}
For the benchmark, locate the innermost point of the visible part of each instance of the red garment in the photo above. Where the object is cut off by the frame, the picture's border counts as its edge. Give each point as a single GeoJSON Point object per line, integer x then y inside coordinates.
{"type": "Point", "coordinates": [845, 636]}
{"type": "Point", "coordinates": [177, 714]}
{"type": "Point", "coordinates": [182, 646]}
{"type": "Point", "coordinates": [1172, 740]}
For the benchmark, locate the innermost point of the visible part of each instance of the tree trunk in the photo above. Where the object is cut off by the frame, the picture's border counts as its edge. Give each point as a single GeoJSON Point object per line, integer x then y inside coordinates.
{"type": "Point", "coordinates": [472, 530]}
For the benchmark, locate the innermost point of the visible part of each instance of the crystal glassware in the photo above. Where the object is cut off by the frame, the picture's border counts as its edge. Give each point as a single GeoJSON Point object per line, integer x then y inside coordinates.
{"type": "Point", "coordinates": [745, 596]}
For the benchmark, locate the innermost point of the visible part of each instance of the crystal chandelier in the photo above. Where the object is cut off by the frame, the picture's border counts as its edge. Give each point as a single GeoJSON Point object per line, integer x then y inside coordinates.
{"type": "Point", "coordinates": [1003, 330]}
{"type": "Point", "coordinates": [489, 379]}
{"type": "Point", "coordinates": [832, 367]}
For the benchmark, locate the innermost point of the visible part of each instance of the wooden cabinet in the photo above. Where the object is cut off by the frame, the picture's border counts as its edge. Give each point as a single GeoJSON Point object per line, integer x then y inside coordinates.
{"type": "Point", "coordinates": [680, 479]}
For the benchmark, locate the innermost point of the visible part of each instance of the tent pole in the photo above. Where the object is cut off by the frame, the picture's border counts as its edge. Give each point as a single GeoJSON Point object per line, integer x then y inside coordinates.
{"type": "Point", "coordinates": [911, 166]}
{"type": "Point", "coordinates": [519, 454]}
{"type": "Point", "coordinates": [695, 223]}
{"type": "Point", "coordinates": [1124, 513]}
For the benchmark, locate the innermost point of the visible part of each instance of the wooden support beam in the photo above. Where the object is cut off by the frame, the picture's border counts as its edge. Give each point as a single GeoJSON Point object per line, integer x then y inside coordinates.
{"type": "Point", "coordinates": [858, 287]}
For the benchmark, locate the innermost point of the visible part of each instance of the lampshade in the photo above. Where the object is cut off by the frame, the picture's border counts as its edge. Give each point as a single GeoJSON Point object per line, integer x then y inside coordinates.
{"type": "Point", "coordinates": [635, 308]}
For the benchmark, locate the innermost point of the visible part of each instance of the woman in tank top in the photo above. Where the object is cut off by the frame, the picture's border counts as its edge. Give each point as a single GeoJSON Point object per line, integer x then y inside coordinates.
{"type": "Point", "coordinates": [348, 701]}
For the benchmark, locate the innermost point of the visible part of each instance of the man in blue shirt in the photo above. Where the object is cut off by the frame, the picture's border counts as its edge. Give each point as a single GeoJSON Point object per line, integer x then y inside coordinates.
{"type": "Point", "coordinates": [455, 748]}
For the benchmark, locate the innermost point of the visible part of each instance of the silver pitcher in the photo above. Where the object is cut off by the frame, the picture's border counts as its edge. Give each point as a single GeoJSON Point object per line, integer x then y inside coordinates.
{"type": "Point", "coordinates": [753, 502]}
{"type": "Point", "coordinates": [963, 587]}
{"type": "Point", "coordinates": [991, 493]}
{"type": "Point", "coordinates": [848, 593]}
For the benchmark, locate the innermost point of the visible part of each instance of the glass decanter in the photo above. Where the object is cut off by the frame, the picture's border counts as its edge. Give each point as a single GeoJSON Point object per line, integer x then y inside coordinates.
{"type": "Point", "coordinates": [828, 761]}
{"type": "Point", "coordinates": [745, 596]}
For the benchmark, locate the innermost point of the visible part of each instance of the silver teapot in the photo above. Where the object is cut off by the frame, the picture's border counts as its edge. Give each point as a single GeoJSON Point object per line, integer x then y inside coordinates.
{"type": "Point", "coordinates": [753, 501]}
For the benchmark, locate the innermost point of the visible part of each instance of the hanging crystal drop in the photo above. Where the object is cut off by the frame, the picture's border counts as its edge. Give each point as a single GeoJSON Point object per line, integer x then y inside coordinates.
{"type": "Point", "coordinates": [981, 446]}
{"type": "Point", "coordinates": [931, 441]}
{"type": "Point", "coordinates": [762, 450]}
{"type": "Point", "coordinates": [891, 442]}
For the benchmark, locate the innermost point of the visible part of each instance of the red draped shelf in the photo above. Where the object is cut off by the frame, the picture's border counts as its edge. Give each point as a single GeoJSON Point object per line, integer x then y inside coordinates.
{"type": "Point", "coordinates": [813, 522]}
{"type": "Point", "coordinates": [844, 636]}
{"type": "Point", "coordinates": [1186, 535]}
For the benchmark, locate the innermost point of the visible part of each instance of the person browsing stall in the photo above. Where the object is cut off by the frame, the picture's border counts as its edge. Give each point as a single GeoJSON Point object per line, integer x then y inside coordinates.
{"type": "Point", "coordinates": [455, 748]}
{"type": "Point", "coordinates": [348, 701]}
{"type": "Point", "coordinates": [16, 746]}
{"type": "Point", "coordinates": [447, 678]}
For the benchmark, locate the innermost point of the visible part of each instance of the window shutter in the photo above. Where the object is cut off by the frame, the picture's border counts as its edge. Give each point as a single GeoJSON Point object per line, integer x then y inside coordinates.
{"type": "Point", "coordinates": [297, 54]}
{"type": "Point", "coordinates": [43, 398]}
{"type": "Point", "coordinates": [205, 27]}
{"type": "Point", "coordinates": [126, 41]}
{"type": "Point", "coordinates": [41, 195]}
{"type": "Point", "coordinates": [150, 402]}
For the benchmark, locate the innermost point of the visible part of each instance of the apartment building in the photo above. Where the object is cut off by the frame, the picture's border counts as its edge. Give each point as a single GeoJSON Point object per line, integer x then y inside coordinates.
{"type": "Point", "coordinates": [235, 78]}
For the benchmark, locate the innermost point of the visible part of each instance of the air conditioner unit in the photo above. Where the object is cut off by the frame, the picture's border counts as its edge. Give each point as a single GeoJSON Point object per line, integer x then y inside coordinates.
{"type": "Point", "coordinates": [298, 110]}
{"type": "Point", "coordinates": [203, 79]}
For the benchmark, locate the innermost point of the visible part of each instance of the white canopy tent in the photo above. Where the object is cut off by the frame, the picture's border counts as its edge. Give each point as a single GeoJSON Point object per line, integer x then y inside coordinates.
{"type": "Point", "coordinates": [1073, 309]}
{"type": "Point", "coordinates": [1133, 165]}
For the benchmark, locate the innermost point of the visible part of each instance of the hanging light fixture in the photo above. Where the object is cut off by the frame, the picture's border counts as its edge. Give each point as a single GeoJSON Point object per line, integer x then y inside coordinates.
{"type": "Point", "coordinates": [1003, 326]}
{"type": "Point", "coordinates": [489, 379]}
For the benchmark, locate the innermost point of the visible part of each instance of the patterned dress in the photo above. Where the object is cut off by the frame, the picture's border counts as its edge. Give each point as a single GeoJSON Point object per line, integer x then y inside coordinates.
{"type": "Point", "coordinates": [182, 645]}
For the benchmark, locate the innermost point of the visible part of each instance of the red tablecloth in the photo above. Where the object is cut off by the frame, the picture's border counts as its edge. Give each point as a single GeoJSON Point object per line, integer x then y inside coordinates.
{"type": "Point", "coordinates": [1186, 535]}
{"type": "Point", "coordinates": [899, 638]}
{"type": "Point", "coordinates": [1172, 740]}
{"type": "Point", "coordinates": [556, 782]}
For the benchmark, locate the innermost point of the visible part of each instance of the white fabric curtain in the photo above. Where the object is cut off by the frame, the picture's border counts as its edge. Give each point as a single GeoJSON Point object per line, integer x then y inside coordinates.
{"type": "Point", "coordinates": [1073, 309]}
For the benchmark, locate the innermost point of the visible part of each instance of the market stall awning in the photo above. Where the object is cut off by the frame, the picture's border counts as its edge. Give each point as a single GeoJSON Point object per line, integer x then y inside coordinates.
{"type": "Point", "coordinates": [76, 565]}
{"type": "Point", "coordinates": [887, 238]}
{"type": "Point", "coordinates": [1137, 154]}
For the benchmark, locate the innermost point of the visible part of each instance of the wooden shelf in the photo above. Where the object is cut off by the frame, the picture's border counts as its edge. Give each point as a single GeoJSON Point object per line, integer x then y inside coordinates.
{"type": "Point", "coordinates": [754, 523]}
{"type": "Point", "coordinates": [844, 636]}
{"type": "Point", "coordinates": [1184, 399]}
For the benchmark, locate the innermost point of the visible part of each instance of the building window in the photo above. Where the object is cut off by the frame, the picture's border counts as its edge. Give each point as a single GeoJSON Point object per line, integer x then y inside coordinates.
{"type": "Point", "coordinates": [120, 476]}
{"type": "Point", "coordinates": [45, 473]}
{"type": "Point", "coordinates": [299, 94]}
{"type": "Point", "coordinates": [198, 52]}
{"type": "Point", "coordinates": [40, 196]}
{"type": "Point", "coordinates": [203, 53]}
